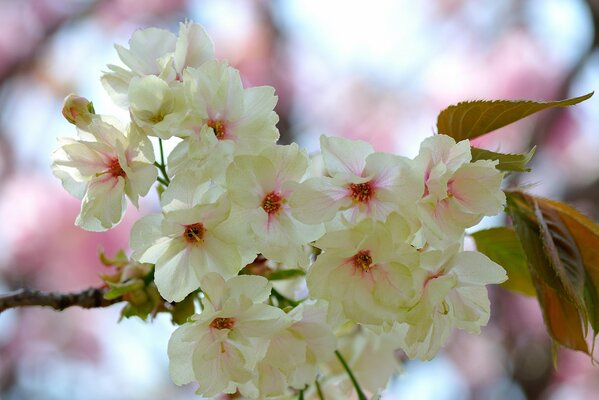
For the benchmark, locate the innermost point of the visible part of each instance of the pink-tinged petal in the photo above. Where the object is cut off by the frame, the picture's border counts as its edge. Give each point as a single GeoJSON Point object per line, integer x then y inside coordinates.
{"type": "Point", "coordinates": [318, 200]}
{"type": "Point", "coordinates": [193, 48]}
{"type": "Point", "coordinates": [256, 288]}
{"type": "Point", "coordinates": [145, 47]}
{"type": "Point", "coordinates": [290, 162]}
{"type": "Point", "coordinates": [78, 157]}
{"type": "Point", "coordinates": [256, 128]}
{"type": "Point", "coordinates": [344, 155]}
{"type": "Point", "coordinates": [104, 204]}
{"type": "Point", "coordinates": [443, 149]}
{"type": "Point", "coordinates": [116, 84]}
{"type": "Point", "coordinates": [444, 222]}
{"type": "Point", "coordinates": [474, 268]}
{"type": "Point", "coordinates": [214, 287]}
{"type": "Point", "coordinates": [219, 256]}
{"type": "Point", "coordinates": [175, 275]}
{"type": "Point", "coordinates": [214, 90]}
{"type": "Point", "coordinates": [180, 350]}
{"type": "Point", "coordinates": [477, 188]}
{"type": "Point", "coordinates": [220, 368]}
{"type": "Point", "coordinates": [471, 308]}
{"type": "Point", "coordinates": [250, 179]}
{"type": "Point", "coordinates": [148, 241]}
{"type": "Point", "coordinates": [262, 320]}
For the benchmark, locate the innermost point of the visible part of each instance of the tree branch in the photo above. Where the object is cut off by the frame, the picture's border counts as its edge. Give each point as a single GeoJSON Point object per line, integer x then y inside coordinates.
{"type": "Point", "coordinates": [89, 298]}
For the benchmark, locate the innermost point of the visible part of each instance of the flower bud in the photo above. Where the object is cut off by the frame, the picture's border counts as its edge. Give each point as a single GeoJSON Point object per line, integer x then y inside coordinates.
{"type": "Point", "coordinates": [78, 110]}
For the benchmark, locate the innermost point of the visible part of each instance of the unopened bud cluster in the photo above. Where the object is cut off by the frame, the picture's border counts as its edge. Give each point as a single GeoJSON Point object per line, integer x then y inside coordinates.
{"type": "Point", "coordinates": [388, 230]}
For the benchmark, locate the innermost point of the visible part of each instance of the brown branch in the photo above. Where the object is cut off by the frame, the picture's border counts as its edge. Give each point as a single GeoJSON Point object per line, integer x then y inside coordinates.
{"type": "Point", "coordinates": [89, 298]}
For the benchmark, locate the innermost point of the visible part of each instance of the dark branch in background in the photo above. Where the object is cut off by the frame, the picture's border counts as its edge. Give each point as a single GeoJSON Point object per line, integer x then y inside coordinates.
{"type": "Point", "coordinates": [89, 298]}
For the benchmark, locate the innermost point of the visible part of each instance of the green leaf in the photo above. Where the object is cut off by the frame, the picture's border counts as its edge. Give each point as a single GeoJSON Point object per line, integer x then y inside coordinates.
{"type": "Point", "coordinates": [119, 289]}
{"type": "Point", "coordinates": [471, 119]}
{"type": "Point", "coordinates": [503, 246]}
{"type": "Point", "coordinates": [507, 162]}
{"type": "Point", "coordinates": [283, 274]}
{"type": "Point", "coordinates": [184, 309]}
{"type": "Point", "coordinates": [562, 248]}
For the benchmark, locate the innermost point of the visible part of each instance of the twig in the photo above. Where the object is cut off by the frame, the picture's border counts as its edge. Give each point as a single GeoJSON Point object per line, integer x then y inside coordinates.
{"type": "Point", "coordinates": [90, 298]}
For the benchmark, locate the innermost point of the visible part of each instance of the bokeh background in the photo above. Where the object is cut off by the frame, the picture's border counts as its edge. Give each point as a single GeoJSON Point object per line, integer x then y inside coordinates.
{"type": "Point", "coordinates": [377, 70]}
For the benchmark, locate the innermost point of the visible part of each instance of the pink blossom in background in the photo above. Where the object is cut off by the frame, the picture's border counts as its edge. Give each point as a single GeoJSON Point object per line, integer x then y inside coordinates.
{"type": "Point", "coordinates": [41, 239]}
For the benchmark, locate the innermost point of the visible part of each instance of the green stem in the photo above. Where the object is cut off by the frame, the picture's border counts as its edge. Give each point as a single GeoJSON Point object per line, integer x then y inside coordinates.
{"type": "Point", "coordinates": [162, 181]}
{"type": "Point", "coordinates": [165, 180]}
{"type": "Point", "coordinates": [301, 395]}
{"type": "Point", "coordinates": [319, 390]}
{"type": "Point", "coordinates": [161, 152]}
{"type": "Point", "coordinates": [361, 394]}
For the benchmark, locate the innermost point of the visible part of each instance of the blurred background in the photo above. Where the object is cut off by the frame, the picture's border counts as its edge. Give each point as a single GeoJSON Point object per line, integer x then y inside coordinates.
{"type": "Point", "coordinates": [377, 70]}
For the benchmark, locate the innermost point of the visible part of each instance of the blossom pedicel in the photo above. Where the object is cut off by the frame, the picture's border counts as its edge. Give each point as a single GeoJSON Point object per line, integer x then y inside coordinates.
{"type": "Point", "coordinates": [378, 236]}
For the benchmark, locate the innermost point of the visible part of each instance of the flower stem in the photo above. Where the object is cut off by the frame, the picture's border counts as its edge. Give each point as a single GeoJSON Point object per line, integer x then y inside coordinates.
{"type": "Point", "coordinates": [361, 395]}
{"type": "Point", "coordinates": [319, 390]}
{"type": "Point", "coordinates": [161, 151]}
{"type": "Point", "coordinates": [165, 180]}
{"type": "Point", "coordinates": [301, 395]}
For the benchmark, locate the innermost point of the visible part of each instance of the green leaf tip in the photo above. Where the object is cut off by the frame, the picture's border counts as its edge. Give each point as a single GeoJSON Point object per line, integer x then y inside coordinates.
{"type": "Point", "coordinates": [471, 119]}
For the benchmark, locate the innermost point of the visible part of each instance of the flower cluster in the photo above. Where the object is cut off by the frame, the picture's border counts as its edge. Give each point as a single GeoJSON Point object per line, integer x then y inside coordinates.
{"type": "Point", "coordinates": [379, 237]}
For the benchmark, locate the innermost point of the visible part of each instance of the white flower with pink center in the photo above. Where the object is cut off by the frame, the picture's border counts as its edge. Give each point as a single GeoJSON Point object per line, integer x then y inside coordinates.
{"type": "Point", "coordinates": [186, 241]}
{"type": "Point", "coordinates": [216, 98]}
{"type": "Point", "coordinates": [294, 354]}
{"type": "Point", "coordinates": [103, 167]}
{"type": "Point", "coordinates": [157, 52]}
{"type": "Point", "coordinates": [260, 186]}
{"type": "Point", "coordinates": [221, 347]}
{"type": "Point", "coordinates": [360, 183]}
{"type": "Point", "coordinates": [452, 295]}
{"type": "Point", "coordinates": [457, 193]}
{"type": "Point", "coordinates": [365, 273]}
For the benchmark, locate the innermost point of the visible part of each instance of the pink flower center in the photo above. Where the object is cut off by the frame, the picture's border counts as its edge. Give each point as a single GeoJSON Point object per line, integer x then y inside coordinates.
{"type": "Point", "coordinates": [361, 192]}
{"type": "Point", "coordinates": [194, 233]}
{"type": "Point", "coordinates": [362, 260]}
{"type": "Point", "coordinates": [222, 323]}
{"type": "Point", "coordinates": [272, 203]}
{"type": "Point", "coordinates": [114, 168]}
{"type": "Point", "coordinates": [218, 127]}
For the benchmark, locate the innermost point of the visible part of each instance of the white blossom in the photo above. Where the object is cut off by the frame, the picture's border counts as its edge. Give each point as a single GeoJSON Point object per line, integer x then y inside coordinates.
{"type": "Point", "coordinates": [361, 183]}
{"type": "Point", "coordinates": [364, 273]}
{"type": "Point", "coordinates": [102, 167]}
{"type": "Point", "coordinates": [457, 193]}
{"type": "Point", "coordinates": [185, 241]}
{"type": "Point", "coordinates": [260, 187]}
{"type": "Point", "coordinates": [452, 295]}
{"type": "Point", "coordinates": [221, 347]}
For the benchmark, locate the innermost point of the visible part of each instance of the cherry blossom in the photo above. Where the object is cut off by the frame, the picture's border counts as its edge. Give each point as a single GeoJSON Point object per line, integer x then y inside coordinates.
{"type": "Point", "coordinates": [103, 167]}
{"type": "Point", "coordinates": [221, 347]}
{"type": "Point", "coordinates": [361, 183]}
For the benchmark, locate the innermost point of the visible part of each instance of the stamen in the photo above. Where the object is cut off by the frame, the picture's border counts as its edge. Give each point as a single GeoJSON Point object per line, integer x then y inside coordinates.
{"type": "Point", "coordinates": [362, 260]}
{"type": "Point", "coordinates": [361, 192]}
{"type": "Point", "coordinates": [114, 168]}
{"type": "Point", "coordinates": [218, 127]}
{"type": "Point", "coordinates": [272, 202]}
{"type": "Point", "coordinates": [222, 323]}
{"type": "Point", "coordinates": [194, 233]}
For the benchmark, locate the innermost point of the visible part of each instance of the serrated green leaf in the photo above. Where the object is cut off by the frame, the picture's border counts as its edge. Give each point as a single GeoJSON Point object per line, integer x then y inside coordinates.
{"type": "Point", "coordinates": [283, 274]}
{"type": "Point", "coordinates": [471, 119]}
{"type": "Point", "coordinates": [562, 248]}
{"type": "Point", "coordinates": [503, 247]}
{"type": "Point", "coordinates": [507, 162]}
